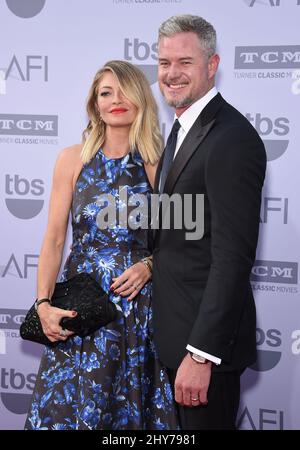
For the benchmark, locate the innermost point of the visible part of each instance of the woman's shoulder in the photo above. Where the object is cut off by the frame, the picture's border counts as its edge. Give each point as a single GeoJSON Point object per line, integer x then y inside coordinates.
{"type": "Point", "coordinates": [70, 157]}
{"type": "Point", "coordinates": [71, 153]}
{"type": "Point", "coordinates": [69, 163]}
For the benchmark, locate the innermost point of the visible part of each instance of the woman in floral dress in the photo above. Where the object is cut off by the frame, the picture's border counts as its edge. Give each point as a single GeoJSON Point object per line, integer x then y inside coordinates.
{"type": "Point", "coordinates": [111, 379]}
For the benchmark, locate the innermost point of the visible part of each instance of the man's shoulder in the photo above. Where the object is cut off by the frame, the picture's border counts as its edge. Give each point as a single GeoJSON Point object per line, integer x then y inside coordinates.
{"type": "Point", "coordinates": [230, 118]}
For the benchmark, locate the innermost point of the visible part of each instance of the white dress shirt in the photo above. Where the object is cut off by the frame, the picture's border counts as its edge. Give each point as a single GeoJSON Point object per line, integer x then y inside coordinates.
{"type": "Point", "coordinates": [189, 116]}
{"type": "Point", "coordinates": [186, 120]}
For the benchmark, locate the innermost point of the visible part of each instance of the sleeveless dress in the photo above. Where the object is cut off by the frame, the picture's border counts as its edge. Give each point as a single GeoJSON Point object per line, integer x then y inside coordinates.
{"type": "Point", "coordinates": [112, 379]}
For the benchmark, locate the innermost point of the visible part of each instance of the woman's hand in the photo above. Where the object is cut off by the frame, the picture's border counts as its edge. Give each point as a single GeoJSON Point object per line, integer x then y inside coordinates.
{"type": "Point", "coordinates": [131, 281]}
{"type": "Point", "coordinates": [50, 318]}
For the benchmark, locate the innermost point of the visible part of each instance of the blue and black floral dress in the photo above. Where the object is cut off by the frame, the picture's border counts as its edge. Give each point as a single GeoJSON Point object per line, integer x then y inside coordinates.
{"type": "Point", "coordinates": [111, 380]}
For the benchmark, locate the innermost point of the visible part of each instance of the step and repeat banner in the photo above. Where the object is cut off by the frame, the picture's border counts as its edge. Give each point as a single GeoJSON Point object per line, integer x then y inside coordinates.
{"type": "Point", "coordinates": [49, 53]}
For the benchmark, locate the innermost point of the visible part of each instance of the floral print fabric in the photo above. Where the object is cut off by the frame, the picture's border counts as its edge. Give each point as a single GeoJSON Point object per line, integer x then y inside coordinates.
{"type": "Point", "coordinates": [111, 380]}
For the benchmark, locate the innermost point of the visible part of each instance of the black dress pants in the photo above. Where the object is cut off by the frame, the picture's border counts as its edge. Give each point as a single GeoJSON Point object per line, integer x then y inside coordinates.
{"type": "Point", "coordinates": [223, 402]}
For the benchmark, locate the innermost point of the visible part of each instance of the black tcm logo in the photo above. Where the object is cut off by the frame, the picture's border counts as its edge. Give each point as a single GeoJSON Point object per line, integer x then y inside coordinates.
{"type": "Point", "coordinates": [25, 8]}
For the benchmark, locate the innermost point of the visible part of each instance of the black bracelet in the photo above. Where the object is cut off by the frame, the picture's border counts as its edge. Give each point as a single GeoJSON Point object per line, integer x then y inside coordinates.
{"type": "Point", "coordinates": [42, 300]}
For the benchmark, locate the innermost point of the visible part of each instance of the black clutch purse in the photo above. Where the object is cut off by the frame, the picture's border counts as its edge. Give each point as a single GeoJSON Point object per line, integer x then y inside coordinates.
{"type": "Point", "coordinates": [81, 293]}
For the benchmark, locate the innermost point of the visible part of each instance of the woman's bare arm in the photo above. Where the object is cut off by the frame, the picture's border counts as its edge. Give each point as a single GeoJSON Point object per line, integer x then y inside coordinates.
{"type": "Point", "coordinates": [67, 168]}
{"type": "Point", "coordinates": [59, 208]}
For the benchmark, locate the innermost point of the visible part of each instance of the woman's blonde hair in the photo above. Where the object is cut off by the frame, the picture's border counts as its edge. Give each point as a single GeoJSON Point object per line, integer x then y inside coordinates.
{"type": "Point", "coordinates": [144, 134]}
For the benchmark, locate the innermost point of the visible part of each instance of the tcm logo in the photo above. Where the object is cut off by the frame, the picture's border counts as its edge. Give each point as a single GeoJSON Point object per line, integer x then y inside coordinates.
{"type": "Point", "coordinates": [265, 126]}
{"type": "Point", "coordinates": [141, 51]}
{"type": "Point", "coordinates": [24, 70]}
{"type": "Point", "coordinates": [268, 357]}
{"type": "Point", "coordinates": [267, 57]}
{"type": "Point", "coordinates": [18, 190]}
{"type": "Point", "coordinates": [275, 272]}
{"type": "Point", "coordinates": [11, 383]}
{"type": "Point", "coordinates": [11, 319]}
{"type": "Point", "coordinates": [267, 2]}
{"type": "Point", "coordinates": [28, 124]}
{"type": "Point", "coordinates": [19, 268]}
{"type": "Point", "coordinates": [27, 9]}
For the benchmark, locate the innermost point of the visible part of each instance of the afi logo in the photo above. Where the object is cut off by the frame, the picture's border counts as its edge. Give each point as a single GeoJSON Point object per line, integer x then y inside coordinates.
{"type": "Point", "coordinates": [263, 419]}
{"type": "Point", "coordinates": [14, 266]}
{"type": "Point", "coordinates": [276, 208]}
{"type": "Point", "coordinates": [2, 83]}
{"type": "Point", "coordinates": [33, 64]}
{"type": "Point", "coordinates": [141, 51]}
{"type": "Point", "coordinates": [267, 2]}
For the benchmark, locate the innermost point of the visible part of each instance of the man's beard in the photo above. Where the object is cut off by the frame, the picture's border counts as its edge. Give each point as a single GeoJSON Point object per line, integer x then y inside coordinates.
{"type": "Point", "coordinates": [182, 103]}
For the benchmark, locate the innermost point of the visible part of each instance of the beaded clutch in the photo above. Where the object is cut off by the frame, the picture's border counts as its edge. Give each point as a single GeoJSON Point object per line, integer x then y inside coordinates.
{"type": "Point", "coordinates": [81, 293]}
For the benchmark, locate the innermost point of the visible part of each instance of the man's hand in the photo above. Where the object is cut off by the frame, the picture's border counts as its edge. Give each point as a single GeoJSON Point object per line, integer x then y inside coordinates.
{"type": "Point", "coordinates": [192, 382]}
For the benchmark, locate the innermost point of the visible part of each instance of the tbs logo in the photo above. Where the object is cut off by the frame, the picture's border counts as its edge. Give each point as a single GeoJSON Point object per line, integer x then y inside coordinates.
{"type": "Point", "coordinates": [137, 50]}
{"type": "Point", "coordinates": [269, 357]}
{"type": "Point", "coordinates": [26, 9]}
{"type": "Point", "coordinates": [17, 190]}
{"type": "Point", "coordinates": [265, 127]}
{"type": "Point", "coordinates": [11, 383]}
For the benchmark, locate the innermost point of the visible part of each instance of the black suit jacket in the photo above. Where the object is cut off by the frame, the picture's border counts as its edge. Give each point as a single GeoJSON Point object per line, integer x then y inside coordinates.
{"type": "Point", "coordinates": [201, 290]}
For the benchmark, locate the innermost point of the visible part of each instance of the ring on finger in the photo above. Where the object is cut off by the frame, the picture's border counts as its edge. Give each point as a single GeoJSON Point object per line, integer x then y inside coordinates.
{"type": "Point", "coordinates": [62, 332]}
{"type": "Point", "coordinates": [195, 399]}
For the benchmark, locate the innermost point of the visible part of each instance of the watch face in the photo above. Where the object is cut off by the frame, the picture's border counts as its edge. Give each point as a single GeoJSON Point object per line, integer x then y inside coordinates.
{"type": "Point", "coordinates": [198, 358]}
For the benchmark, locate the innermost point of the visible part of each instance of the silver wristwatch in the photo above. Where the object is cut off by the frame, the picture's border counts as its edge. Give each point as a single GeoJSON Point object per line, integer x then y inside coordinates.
{"type": "Point", "coordinates": [42, 300]}
{"type": "Point", "coordinates": [199, 359]}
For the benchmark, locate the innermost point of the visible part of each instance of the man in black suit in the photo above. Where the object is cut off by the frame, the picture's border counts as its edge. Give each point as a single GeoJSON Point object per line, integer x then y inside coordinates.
{"type": "Point", "coordinates": [204, 311]}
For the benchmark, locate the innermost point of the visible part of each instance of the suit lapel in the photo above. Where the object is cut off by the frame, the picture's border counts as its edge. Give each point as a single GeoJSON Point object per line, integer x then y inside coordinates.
{"type": "Point", "coordinates": [193, 140]}
{"type": "Point", "coordinates": [157, 175]}
{"type": "Point", "coordinates": [185, 152]}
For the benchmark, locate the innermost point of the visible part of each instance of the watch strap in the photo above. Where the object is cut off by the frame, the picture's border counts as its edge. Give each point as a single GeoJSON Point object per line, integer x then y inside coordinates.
{"type": "Point", "coordinates": [39, 301]}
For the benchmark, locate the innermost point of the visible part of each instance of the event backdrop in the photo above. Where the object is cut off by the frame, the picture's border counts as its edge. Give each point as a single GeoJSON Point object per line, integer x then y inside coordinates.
{"type": "Point", "coordinates": [50, 51]}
